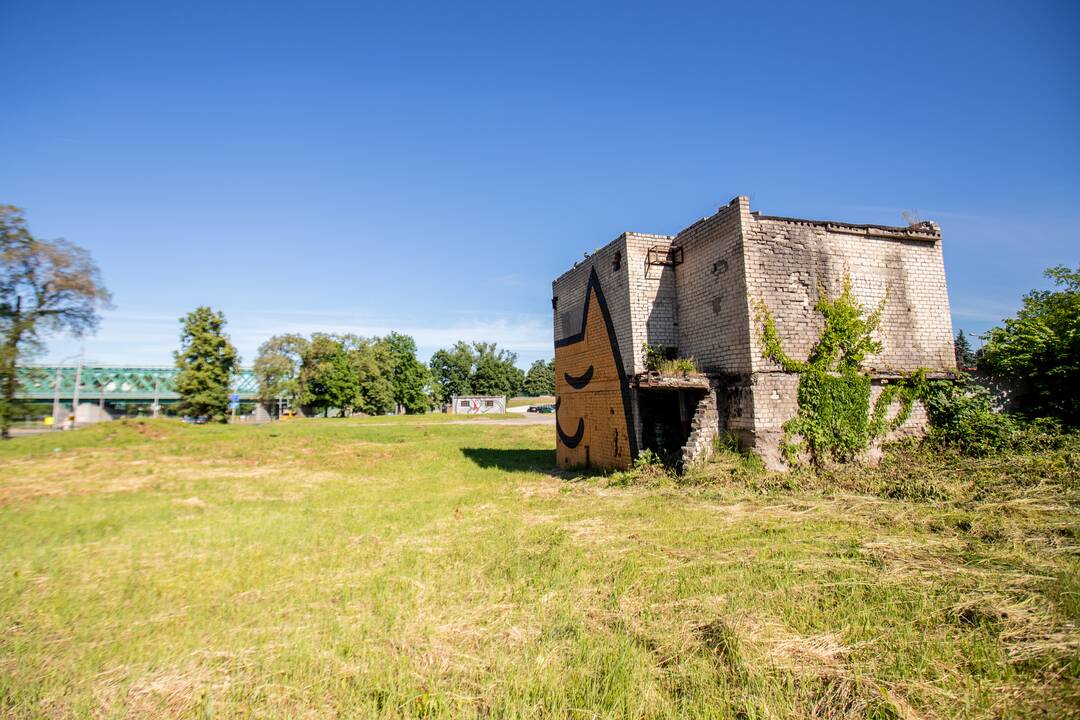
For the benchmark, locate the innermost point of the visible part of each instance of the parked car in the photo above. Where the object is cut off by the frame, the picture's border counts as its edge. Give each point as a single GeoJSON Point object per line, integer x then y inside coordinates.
{"type": "Point", "coordinates": [545, 409]}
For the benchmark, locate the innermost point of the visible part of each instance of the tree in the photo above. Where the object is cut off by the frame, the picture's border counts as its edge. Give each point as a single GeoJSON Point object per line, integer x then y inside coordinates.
{"type": "Point", "coordinates": [207, 361]}
{"type": "Point", "coordinates": [540, 380]}
{"type": "Point", "coordinates": [965, 356]}
{"type": "Point", "coordinates": [1041, 344]}
{"type": "Point", "coordinates": [409, 376]}
{"type": "Point", "coordinates": [369, 362]}
{"type": "Point", "coordinates": [327, 378]}
{"type": "Point", "coordinates": [495, 372]}
{"type": "Point", "coordinates": [277, 367]}
{"type": "Point", "coordinates": [452, 371]}
{"type": "Point", "coordinates": [45, 286]}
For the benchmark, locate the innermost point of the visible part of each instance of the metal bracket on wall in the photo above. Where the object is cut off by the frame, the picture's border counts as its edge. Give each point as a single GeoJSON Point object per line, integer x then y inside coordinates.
{"type": "Point", "coordinates": [670, 255]}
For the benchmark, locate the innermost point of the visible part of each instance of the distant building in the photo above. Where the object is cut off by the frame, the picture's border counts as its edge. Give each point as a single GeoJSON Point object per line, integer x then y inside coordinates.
{"type": "Point", "coordinates": [693, 292]}
{"type": "Point", "coordinates": [478, 404]}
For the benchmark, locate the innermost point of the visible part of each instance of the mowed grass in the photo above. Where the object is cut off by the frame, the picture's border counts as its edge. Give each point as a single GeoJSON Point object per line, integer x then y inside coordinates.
{"type": "Point", "coordinates": [416, 568]}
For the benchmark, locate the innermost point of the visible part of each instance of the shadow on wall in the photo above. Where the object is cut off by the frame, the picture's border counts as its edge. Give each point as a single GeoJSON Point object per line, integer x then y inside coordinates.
{"type": "Point", "coordinates": [512, 459]}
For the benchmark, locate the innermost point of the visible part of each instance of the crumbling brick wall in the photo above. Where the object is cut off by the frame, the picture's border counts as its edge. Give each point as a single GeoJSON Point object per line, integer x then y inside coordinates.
{"type": "Point", "coordinates": [734, 258]}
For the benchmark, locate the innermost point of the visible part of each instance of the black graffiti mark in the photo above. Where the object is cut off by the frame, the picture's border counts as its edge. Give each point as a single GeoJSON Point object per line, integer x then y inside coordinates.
{"type": "Point", "coordinates": [570, 441]}
{"type": "Point", "coordinates": [580, 381]}
{"type": "Point", "coordinates": [593, 288]}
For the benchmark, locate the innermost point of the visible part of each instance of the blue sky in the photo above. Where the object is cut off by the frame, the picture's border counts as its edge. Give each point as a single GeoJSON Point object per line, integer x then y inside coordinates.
{"type": "Point", "coordinates": [430, 168]}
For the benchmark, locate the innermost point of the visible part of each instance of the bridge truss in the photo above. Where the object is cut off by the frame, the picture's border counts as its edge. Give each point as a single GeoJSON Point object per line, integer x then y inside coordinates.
{"type": "Point", "coordinates": [114, 383]}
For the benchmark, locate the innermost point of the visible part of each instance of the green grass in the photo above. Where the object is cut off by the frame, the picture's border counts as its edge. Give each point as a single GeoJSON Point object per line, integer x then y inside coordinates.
{"type": "Point", "coordinates": [402, 567]}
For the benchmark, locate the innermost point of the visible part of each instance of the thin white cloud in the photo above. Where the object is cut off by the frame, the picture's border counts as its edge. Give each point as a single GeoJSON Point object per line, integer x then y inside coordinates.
{"type": "Point", "coordinates": [143, 338]}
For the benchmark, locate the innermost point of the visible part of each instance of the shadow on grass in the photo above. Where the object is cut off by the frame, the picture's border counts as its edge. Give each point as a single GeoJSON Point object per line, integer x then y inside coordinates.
{"type": "Point", "coordinates": [513, 460]}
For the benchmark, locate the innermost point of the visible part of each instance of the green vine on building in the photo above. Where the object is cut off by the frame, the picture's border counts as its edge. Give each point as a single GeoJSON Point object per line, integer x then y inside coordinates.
{"type": "Point", "coordinates": [835, 422]}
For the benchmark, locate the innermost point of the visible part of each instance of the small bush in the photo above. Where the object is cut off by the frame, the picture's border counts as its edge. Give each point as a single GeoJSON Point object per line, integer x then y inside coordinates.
{"type": "Point", "coordinates": [649, 466]}
{"type": "Point", "coordinates": [678, 366]}
{"type": "Point", "coordinates": [662, 359]}
{"type": "Point", "coordinates": [962, 417]}
{"type": "Point", "coordinates": [656, 355]}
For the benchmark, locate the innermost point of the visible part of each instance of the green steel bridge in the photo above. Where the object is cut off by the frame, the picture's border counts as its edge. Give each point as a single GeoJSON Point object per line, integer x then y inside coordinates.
{"type": "Point", "coordinates": [113, 384]}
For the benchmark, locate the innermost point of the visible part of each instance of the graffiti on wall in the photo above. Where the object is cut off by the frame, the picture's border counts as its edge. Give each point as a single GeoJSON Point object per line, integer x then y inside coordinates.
{"type": "Point", "coordinates": [593, 416]}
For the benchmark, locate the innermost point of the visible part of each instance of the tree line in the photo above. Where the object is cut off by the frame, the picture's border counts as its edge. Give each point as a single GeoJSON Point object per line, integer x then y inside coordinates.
{"type": "Point", "coordinates": [344, 372]}
{"type": "Point", "coordinates": [382, 375]}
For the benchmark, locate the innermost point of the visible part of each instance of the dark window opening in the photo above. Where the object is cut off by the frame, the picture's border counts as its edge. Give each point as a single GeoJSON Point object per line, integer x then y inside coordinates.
{"type": "Point", "coordinates": [616, 263]}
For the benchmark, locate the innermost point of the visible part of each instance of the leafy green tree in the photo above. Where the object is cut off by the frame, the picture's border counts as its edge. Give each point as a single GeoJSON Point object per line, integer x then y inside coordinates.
{"type": "Point", "coordinates": [1041, 345]}
{"type": "Point", "coordinates": [45, 286]}
{"type": "Point", "coordinates": [327, 377]}
{"type": "Point", "coordinates": [277, 367]}
{"type": "Point", "coordinates": [409, 376]}
{"type": "Point", "coordinates": [495, 372]}
{"type": "Point", "coordinates": [207, 361]}
{"type": "Point", "coordinates": [965, 356]}
{"type": "Point", "coordinates": [452, 371]}
{"type": "Point", "coordinates": [370, 362]}
{"type": "Point", "coordinates": [540, 379]}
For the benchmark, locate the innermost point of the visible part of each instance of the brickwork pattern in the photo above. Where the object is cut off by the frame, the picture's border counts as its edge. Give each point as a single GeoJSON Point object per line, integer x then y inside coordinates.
{"type": "Point", "coordinates": [592, 428]}
{"type": "Point", "coordinates": [714, 320]}
{"type": "Point", "coordinates": [654, 309]}
{"type": "Point", "coordinates": [705, 428]}
{"type": "Point", "coordinates": [703, 306]}
{"type": "Point", "coordinates": [786, 261]}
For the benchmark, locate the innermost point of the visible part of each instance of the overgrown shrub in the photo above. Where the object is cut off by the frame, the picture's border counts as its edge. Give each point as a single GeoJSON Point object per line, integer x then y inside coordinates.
{"type": "Point", "coordinates": [1041, 344]}
{"type": "Point", "coordinates": [962, 416]}
{"type": "Point", "coordinates": [663, 359]}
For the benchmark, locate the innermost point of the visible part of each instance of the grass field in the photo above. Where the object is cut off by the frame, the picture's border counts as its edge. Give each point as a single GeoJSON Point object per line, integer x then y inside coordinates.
{"type": "Point", "coordinates": [415, 568]}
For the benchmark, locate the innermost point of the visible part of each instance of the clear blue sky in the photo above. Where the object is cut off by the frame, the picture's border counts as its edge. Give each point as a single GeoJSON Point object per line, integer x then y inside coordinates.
{"type": "Point", "coordinates": [430, 168]}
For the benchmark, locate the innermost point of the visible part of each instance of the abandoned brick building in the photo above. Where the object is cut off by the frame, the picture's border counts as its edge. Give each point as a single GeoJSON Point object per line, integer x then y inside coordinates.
{"type": "Point", "coordinates": [694, 293]}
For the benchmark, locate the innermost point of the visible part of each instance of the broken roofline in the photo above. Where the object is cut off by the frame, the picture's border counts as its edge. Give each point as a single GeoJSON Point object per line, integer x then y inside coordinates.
{"type": "Point", "coordinates": [926, 230]}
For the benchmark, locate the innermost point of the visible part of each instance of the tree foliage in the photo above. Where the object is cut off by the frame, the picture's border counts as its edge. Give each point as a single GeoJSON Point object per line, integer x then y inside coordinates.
{"type": "Point", "coordinates": [206, 362]}
{"type": "Point", "coordinates": [965, 356]}
{"type": "Point", "coordinates": [479, 369]}
{"type": "Point", "coordinates": [452, 371]}
{"type": "Point", "coordinates": [540, 379]}
{"type": "Point", "coordinates": [347, 372]}
{"type": "Point", "coordinates": [277, 367]}
{"type": "Point", "coordinates": [1041, 345]}
{"type": "Point", "coordinates": [45, 286]}
{"type": "Point", "coordinates": [410, 378]}
{"type": "Point", "coordinates": [327, 379]}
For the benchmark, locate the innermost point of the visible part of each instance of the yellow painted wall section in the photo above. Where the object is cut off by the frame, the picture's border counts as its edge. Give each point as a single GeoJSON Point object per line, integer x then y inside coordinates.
{"type": "Point", "coordinates": [591, 414]}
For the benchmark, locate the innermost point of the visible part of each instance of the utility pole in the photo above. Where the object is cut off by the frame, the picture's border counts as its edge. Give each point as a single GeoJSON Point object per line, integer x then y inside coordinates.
{"type": "Point", "coordinates": [75, 394]}
{"type": "Point", "coordinates": [56, 401]}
